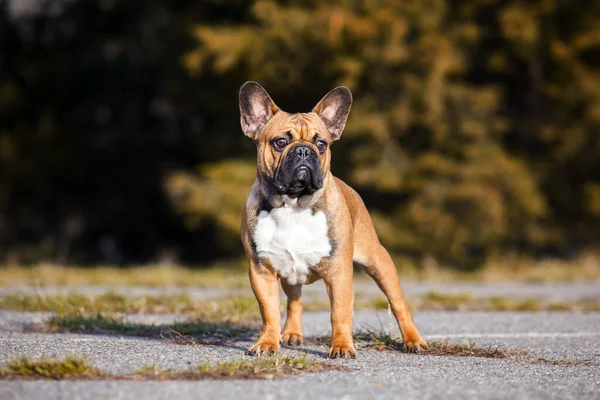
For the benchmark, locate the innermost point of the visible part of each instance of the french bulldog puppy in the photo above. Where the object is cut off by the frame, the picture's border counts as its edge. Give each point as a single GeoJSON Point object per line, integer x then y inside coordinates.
{"type": "Point", "coordinates": [301, 223]}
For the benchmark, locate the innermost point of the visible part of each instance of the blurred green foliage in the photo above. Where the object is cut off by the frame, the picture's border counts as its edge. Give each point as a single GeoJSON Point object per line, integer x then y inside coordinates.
{"type": "Point", "coordinates": [474, 132]}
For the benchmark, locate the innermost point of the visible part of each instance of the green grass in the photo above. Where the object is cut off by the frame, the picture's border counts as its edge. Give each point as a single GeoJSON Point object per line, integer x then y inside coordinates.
{"type": "Point", "coordinates": [78, 368]}
{"type": "Point", "coordinates": [188, 332]}
{"type": "Point", "coordinates": [587, 304]}
{"type": "Point", "coordinates": [246, 368]}
{"type": "Point", "coordinates": [500, 303]}
{"type": "Point", "coordinates": [208, 320]}
{"type": "Point", "coordinates": [436, 300]}
{"type": "Point", "coordinates": [558, 306]}
{"type": "Point", "coordinates": [70, 368]}
{"type": "Point", "coordinates": [262, 367]}
{"type": "Point", "coordinates": [378, 303]}
{"type": "Point", "coordinates": [108, 302]}
{"type": "Point", "coordinates": [316, 305]}
{"type": "Point", "coordinates": [380, 340]}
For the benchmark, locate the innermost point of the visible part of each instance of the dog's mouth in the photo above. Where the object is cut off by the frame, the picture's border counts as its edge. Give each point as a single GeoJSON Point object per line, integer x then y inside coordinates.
{"type": "Point", "coordinates": [302, 183]}
{"type": "Point", "coordinates": [302, 174]}
{"type": "Point", "coordinates": [299, 176]}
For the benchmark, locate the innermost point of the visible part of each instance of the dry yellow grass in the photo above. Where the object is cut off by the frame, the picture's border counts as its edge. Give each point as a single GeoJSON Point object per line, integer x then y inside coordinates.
{"type": "Point", "coordinates": [585, 268]}
{"type": "Point", "coordinates": [234, 274]}
{"type": "Point", "coordinates": [221, 275]}
{"type": "Point", "coordinates": [245, 308]}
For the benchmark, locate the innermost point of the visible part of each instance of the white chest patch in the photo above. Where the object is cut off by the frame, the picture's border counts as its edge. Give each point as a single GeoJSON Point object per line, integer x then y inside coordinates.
{"type": "Point", "coordinates": [293, 239]}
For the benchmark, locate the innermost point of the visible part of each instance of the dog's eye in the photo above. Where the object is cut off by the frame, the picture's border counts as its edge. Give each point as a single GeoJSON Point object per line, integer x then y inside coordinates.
{"type": "Point", "coordinates": [280, 143]}
{"type": "Point", "coordinates": [321, 145]}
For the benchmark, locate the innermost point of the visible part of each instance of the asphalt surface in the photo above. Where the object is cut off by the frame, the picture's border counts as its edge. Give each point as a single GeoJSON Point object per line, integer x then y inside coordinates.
{"type": "Point", "coordinates": [374, 374]}
{"type": "Point", "coordinates": [363, 287]}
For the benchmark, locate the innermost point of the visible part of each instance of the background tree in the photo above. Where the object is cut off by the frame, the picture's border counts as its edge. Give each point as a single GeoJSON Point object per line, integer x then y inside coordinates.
{"type": "Point", "coordinates": [474, 131]}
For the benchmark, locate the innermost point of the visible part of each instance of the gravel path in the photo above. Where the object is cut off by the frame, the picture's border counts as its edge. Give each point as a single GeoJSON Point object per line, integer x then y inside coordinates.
{"type": "Point", "coordinates": [374, 374]}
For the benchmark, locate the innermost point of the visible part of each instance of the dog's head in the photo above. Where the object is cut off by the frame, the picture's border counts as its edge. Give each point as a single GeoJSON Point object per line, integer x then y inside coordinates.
{"type": "Point", "coordinates": [293, 149]}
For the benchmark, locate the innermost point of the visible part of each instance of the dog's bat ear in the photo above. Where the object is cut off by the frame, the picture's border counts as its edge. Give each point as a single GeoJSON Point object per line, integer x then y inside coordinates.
{"type": "Point", "coordinates": [334, 109]}
{"type": "Point", "coordinates": [256, 108]}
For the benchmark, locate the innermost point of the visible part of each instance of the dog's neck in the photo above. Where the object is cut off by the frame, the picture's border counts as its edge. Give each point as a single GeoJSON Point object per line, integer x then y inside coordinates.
{"type": "Point", "coordinates": [269, 194]}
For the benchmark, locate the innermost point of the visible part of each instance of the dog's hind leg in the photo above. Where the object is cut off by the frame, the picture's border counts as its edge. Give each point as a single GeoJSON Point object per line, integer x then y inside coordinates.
{"type": "Point", "coordinates": [292, 330]}
{"type": "Point", "coordinates": [376, 262]}
{"type": "Point", "coordinates": [379, 266]}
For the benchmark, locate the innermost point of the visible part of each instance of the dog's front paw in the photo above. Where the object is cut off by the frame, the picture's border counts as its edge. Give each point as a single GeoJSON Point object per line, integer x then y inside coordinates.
{"type": "Point", "coordinates": [291, 339]}
{"type": "Point", "coordinates": [341, 350]}
{"type": "Point", "coordinates": [414, 345]}
{"type": "Point", "coordinates": [264, 348]}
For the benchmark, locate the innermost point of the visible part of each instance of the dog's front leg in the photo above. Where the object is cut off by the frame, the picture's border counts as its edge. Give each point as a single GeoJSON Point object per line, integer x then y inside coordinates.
{"type": "Point", "coordinates": [337, 274]}
{"type": "Point", "coordinates": [265, 286]}
{"type": "Point", "coordinates": [292, 330]}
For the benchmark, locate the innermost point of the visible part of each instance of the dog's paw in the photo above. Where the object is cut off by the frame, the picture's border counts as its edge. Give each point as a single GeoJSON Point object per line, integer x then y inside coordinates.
{"type": "Point", "coordinates": [341, 350]}
{"type": "Point", "coordinates": [291, 339]}
{"type": "Point", "coordinates": [414, 345]}
{"type": "Point", "coordinates": [264, 348]}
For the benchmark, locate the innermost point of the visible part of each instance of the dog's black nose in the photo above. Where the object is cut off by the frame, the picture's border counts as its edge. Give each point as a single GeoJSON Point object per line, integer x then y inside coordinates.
{"type": "Point", "coordinates": [303, 152]}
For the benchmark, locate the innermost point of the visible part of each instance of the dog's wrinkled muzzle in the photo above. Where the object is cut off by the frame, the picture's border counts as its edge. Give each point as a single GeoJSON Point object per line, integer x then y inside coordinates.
{"type": "Point", "coordinates": [300, 174]}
